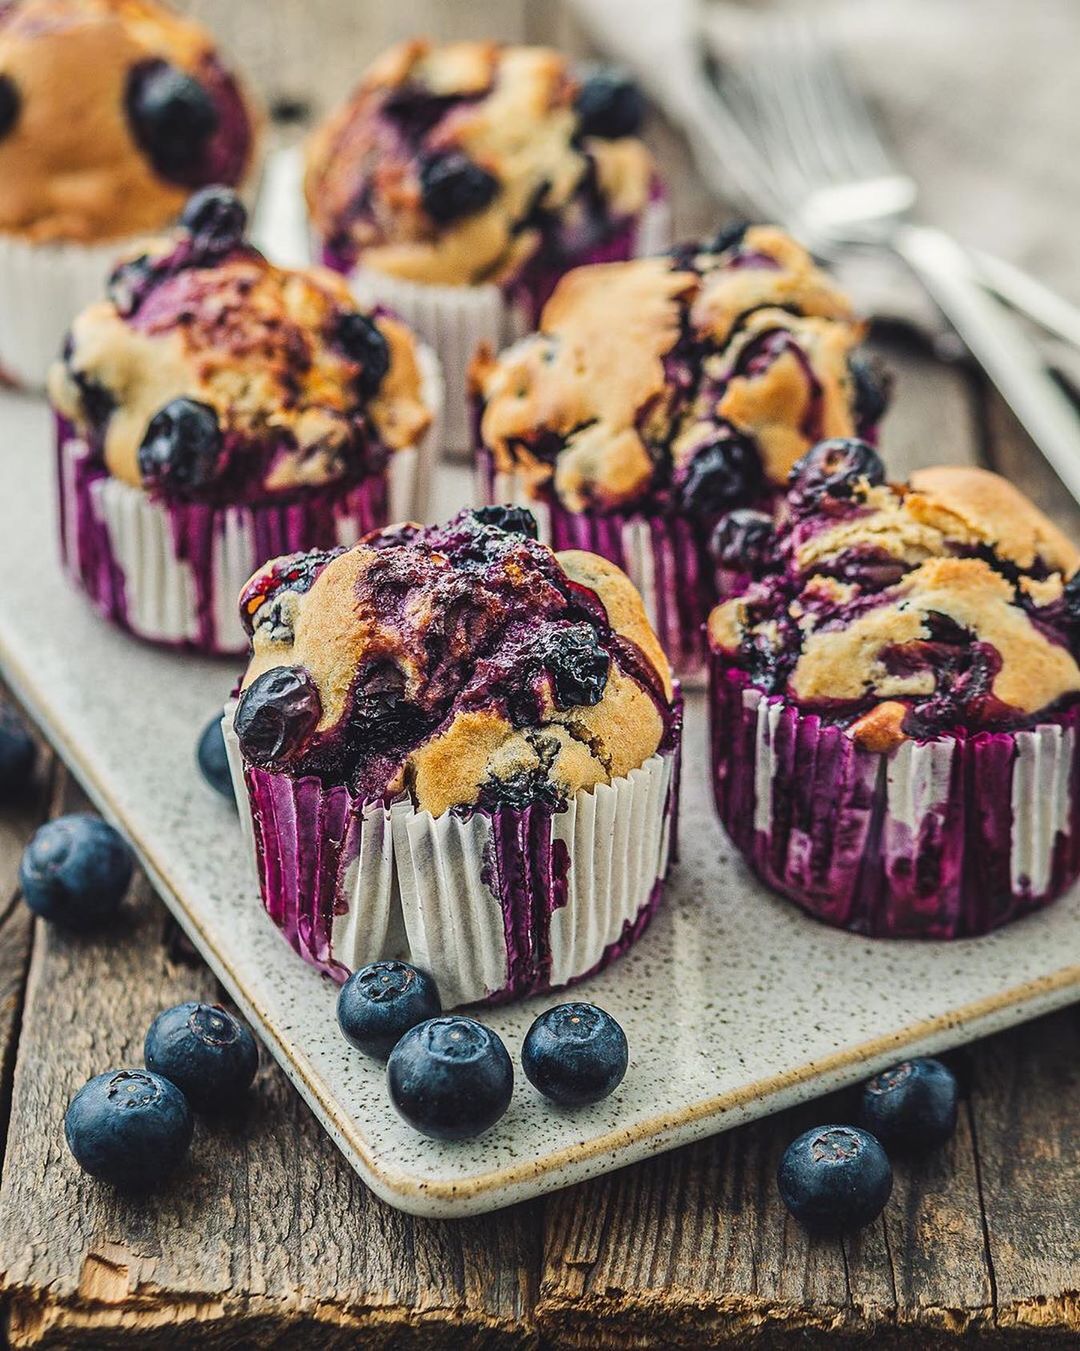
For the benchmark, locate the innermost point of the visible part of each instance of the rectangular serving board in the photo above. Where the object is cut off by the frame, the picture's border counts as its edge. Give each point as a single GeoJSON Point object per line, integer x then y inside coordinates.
{"type": "Point", "coordinates": [735, 1005]}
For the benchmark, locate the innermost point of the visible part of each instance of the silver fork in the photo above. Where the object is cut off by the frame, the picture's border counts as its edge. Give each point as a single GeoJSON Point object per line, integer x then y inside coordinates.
{"type": "Point", "coordinates": [802, 145]}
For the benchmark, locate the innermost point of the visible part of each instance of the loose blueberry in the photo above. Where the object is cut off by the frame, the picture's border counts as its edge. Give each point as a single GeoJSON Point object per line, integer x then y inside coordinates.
{"type": "Point", "coordinates": [514, 520]}
{"type": "Point", "coordinates": [380, 1003]}
{"type": "Point", "coordinates": [911, 1108]}
{"type": "Point", "coordinates": [834, 1179]}
{"type": "Point", "coordinates": [213, 761]}
{"type": "Point", "coordinates": [9, 105]}
{"type": "Point", "coordinates": [182, 446]}
{"type": "Point", "coordinates": [361, 341]}
{"type": "Point", "coordinates": [743, 540]}
{"type": "Point", "coordinates": [729, 236]}
{"type": "Point", "coordinates": [453, 186]}
{"type": "Point", "coordinates": [609, 105]}
{"type": "Point", "coordinates": [450, 1078]}
{"type": "Point", "coordinates": [836, 468]}
{"type": "Point", "coordinates": [173, 119]}
{"type": "Point", "coordinates": [723, 473]}
{"type": "Point", "coordinates": [216, 219]}
{"type": "Point", "coordinates": [578, 665]}
{"type": "Point", "coordinates": [130, 1128]}
{"type": "Point", "coordinates": [207, 1053]}
{"type": "Point", "coordinates": [17, 753]}
{"type": "Point", "coordinates": [575, 1054]}
{"type": "Point", "coordinates": [276, 714]}
{"type": "Point", "coordinates": [75, 871]}
{"type": "Point", "coordinates": [871, 390]}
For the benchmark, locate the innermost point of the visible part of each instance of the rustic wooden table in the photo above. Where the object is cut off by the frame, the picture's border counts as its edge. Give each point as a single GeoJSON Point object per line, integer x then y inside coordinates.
{"type": "Point", "coordinates": [268, 1238]}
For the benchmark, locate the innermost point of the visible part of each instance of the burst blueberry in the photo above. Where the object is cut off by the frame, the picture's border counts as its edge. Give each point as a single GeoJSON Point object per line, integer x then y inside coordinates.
{"type": "Point", "coordinates": [276, 714]}
{"type": "Point", "coordinates": [834, 1179]}
{"type": "Point", "coordinates": [514, 520]}
{"type": "Point", "coordinates": [75, 871]}
{"type": "Point", "coordinates": [216, 219]}
{"type": "Point", "coordinates": [729, 236]}
{"type": "Point", "coordinates": [723, 473]}
{"type": "Point", "coordinates": [450, 1078]}
{"type": "Point", "coordinates": [173, 119]}
{"type": "Point", "coordinates": [609, 105]}
{"type": "Point", "coordinates": [17, 753]}
{"type": "Point", "coordinates": [130, 1128]}
{"type": "Point", "coordinates": [743, 540]}
{"type": "Point", "coordinates": [380, 1003]}
{"type": "Point", "coordinates": [362, 342]}
{"type": "Point", "coordinates": [9, 105]}
{"type": "Point", "coordinates": [453, 186]}
{"type": "Point", "coordinates": [207, 1052]}
{"type": "Point", "coordinates": [213, 761]}
{"type": "Point", "coordinates": [838, 468]}
{"type": "Point", "coordinates": [575, 1054]}
{"type": "Point", "coordinates": [911, 1108]}
{"type": "Point", "coordinates": [578, 665]}
{"type": "Point", "coordinates": [182, 447]}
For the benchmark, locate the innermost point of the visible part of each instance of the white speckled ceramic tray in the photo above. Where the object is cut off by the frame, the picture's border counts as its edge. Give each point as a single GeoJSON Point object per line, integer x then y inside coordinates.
{"type": "Point", "coordinates": [734, 1004]}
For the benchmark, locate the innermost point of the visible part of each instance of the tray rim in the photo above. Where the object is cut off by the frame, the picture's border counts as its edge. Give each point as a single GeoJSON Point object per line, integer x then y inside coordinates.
{"type": "Point", "coordinates": [518, 1181]}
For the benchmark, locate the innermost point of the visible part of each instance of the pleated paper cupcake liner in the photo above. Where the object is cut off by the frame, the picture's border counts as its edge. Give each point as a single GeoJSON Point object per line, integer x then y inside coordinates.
{"type": "Point", "coordinates": [455, 320]}
{"type": "Point", "coordinates": [937, 839]}
{"type": "Point", "coordinates": [42, 288]}
{"type": "Point", "coordinates": [171, 572]}
{"type": "Point", "coordinates": [660, 552]}
{"type": "Point", "coordinates": [496, 905]}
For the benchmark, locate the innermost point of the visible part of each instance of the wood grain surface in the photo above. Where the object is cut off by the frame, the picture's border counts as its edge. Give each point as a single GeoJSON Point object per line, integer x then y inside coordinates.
{"type": "Point", "coordinates": [267, 1238]}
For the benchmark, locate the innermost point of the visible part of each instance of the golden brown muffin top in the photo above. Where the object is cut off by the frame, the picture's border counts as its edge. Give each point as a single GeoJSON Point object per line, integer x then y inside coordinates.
{"type": "Point", "coordinates": [696, 379]}
{"type": "Point", "coordinates": [111, 112]}
{"type": "Point", "coordinates": [211, 374]}
{"type": "Point", "coordinates": [459, 164]}
{"type": "Point", "coordinates": [907, 610]}
{"type": "Point", "coordinates": [466, 665]}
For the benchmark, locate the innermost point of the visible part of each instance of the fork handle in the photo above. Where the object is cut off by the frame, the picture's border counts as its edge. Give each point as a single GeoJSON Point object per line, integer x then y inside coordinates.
{"type": "Point", "coordinates": [996, 340]}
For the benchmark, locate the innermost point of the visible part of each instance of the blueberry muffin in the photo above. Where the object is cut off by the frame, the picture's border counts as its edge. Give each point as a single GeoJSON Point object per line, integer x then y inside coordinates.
{"type": "Point", "coordinates": [458, 748]}
{"type": "Point", "coordinates": [214, 411]}
{"type": "Point", "coordinates": [895, 697]}
{"type": "Point", "coordinates": [459, 182]}
{"type": "Point", "coordinates": [111, 113]}
{"type": "Point", "coordinates": [660, 394]}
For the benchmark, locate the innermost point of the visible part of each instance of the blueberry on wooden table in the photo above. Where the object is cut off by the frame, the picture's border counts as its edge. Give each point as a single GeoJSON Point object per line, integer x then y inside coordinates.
{"type": "Point", "coordinates": [450, 1078]}
{"type": "Point", "coordinates": [75, 871]}
{"type": "Point", "coordinates": [379, 1003]}
{"type": "Point", "coordinates": [207, 1052]}
{"type": "Point", "coordinates": [911, 1108]}
{"type": "Point", "coordinates": [834, 1179]}
{"type": "Point", "coordinates": [609, 105]}
{"type": "Point", "coordinates": [575, 1054]}
{"type": "Point", "coordinates": [130, 1128]}
{"type": "Point", "coordinates": [17, 753]}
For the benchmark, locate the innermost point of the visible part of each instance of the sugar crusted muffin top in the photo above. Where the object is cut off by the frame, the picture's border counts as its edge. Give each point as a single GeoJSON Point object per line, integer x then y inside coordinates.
{"type": "Point", "coordinates": [946, 604]}
{"type": "Point", "coordinates": [465, 163]}
{"type": "Point", "coordinates": [209, 374]}
{"type": "Point", "coordinates": [695, 380]}
{"type": "Point", "coordinates": [465, 665]}
{"type": "Point", "coordinates": [111, 112]}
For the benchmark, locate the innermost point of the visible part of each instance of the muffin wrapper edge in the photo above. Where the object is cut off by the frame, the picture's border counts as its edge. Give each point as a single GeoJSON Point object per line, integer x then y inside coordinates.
{"type": "Point", "coordinates": [455, 320]}
{"type": "Point", "coordinates": [947, 838]}
{"type": "Point", "coordinates": [171, 573]}
{"type": "Point", "coordinates": [496, 905]}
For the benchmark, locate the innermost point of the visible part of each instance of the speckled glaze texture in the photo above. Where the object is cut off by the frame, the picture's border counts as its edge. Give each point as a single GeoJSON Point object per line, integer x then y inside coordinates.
{"type": "Point", "coordinates": [946, 838]}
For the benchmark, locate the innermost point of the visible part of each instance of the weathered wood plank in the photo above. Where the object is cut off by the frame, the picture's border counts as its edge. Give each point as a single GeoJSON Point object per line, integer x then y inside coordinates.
{"type": "Point", "coordinates": [266, 1237]}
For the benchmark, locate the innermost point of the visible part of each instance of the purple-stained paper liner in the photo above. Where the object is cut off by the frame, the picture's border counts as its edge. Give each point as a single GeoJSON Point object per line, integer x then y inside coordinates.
{"type": "Point", "coordinates": [938, 839]}
{"type": "Point", "coordinates": [660, 552]}
{"type": "Point", "coordinates": [497, 905]}
{"type": "Point", "coordinates": [456, 320]}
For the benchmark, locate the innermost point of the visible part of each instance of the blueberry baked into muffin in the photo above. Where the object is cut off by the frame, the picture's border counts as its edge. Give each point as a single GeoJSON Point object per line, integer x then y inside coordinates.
{"type": "Point", "coordinates": [111, 113]}
{"type": "Point", "coordinates": [459, 182]}
{"type": "Point", "coordinates": [458, 748]}
{"type": "Point", "coordinates": [895, 700]}
{"type": "Point", "coordinates": [663, 393]}
{"type": "Point", "coordinates": [215, 411]}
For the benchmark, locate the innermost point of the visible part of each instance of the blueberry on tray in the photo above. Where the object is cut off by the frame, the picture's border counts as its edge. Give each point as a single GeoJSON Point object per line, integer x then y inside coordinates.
{"type": "Point", "coordinates": [380, 1003]}
{"type": "Point", "coordinates": [575, 1054]}
{"type": "Point", "coordinates": [450, 1078]}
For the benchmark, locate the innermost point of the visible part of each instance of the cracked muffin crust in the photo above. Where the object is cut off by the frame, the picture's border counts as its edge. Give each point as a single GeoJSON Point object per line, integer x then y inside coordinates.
{"type": "Point", "coordinates": [211, 375]}
{"type": "Point", "coordinates": [111, 112]}
{"type": "Point", "coordinates": [474, 162]}
{"type": "Point", "coordinates": [691, 382]}
{"type": "Point", "coordinates": [465, 665]}
{"type": "Point", "coordinates": [908, 611]}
